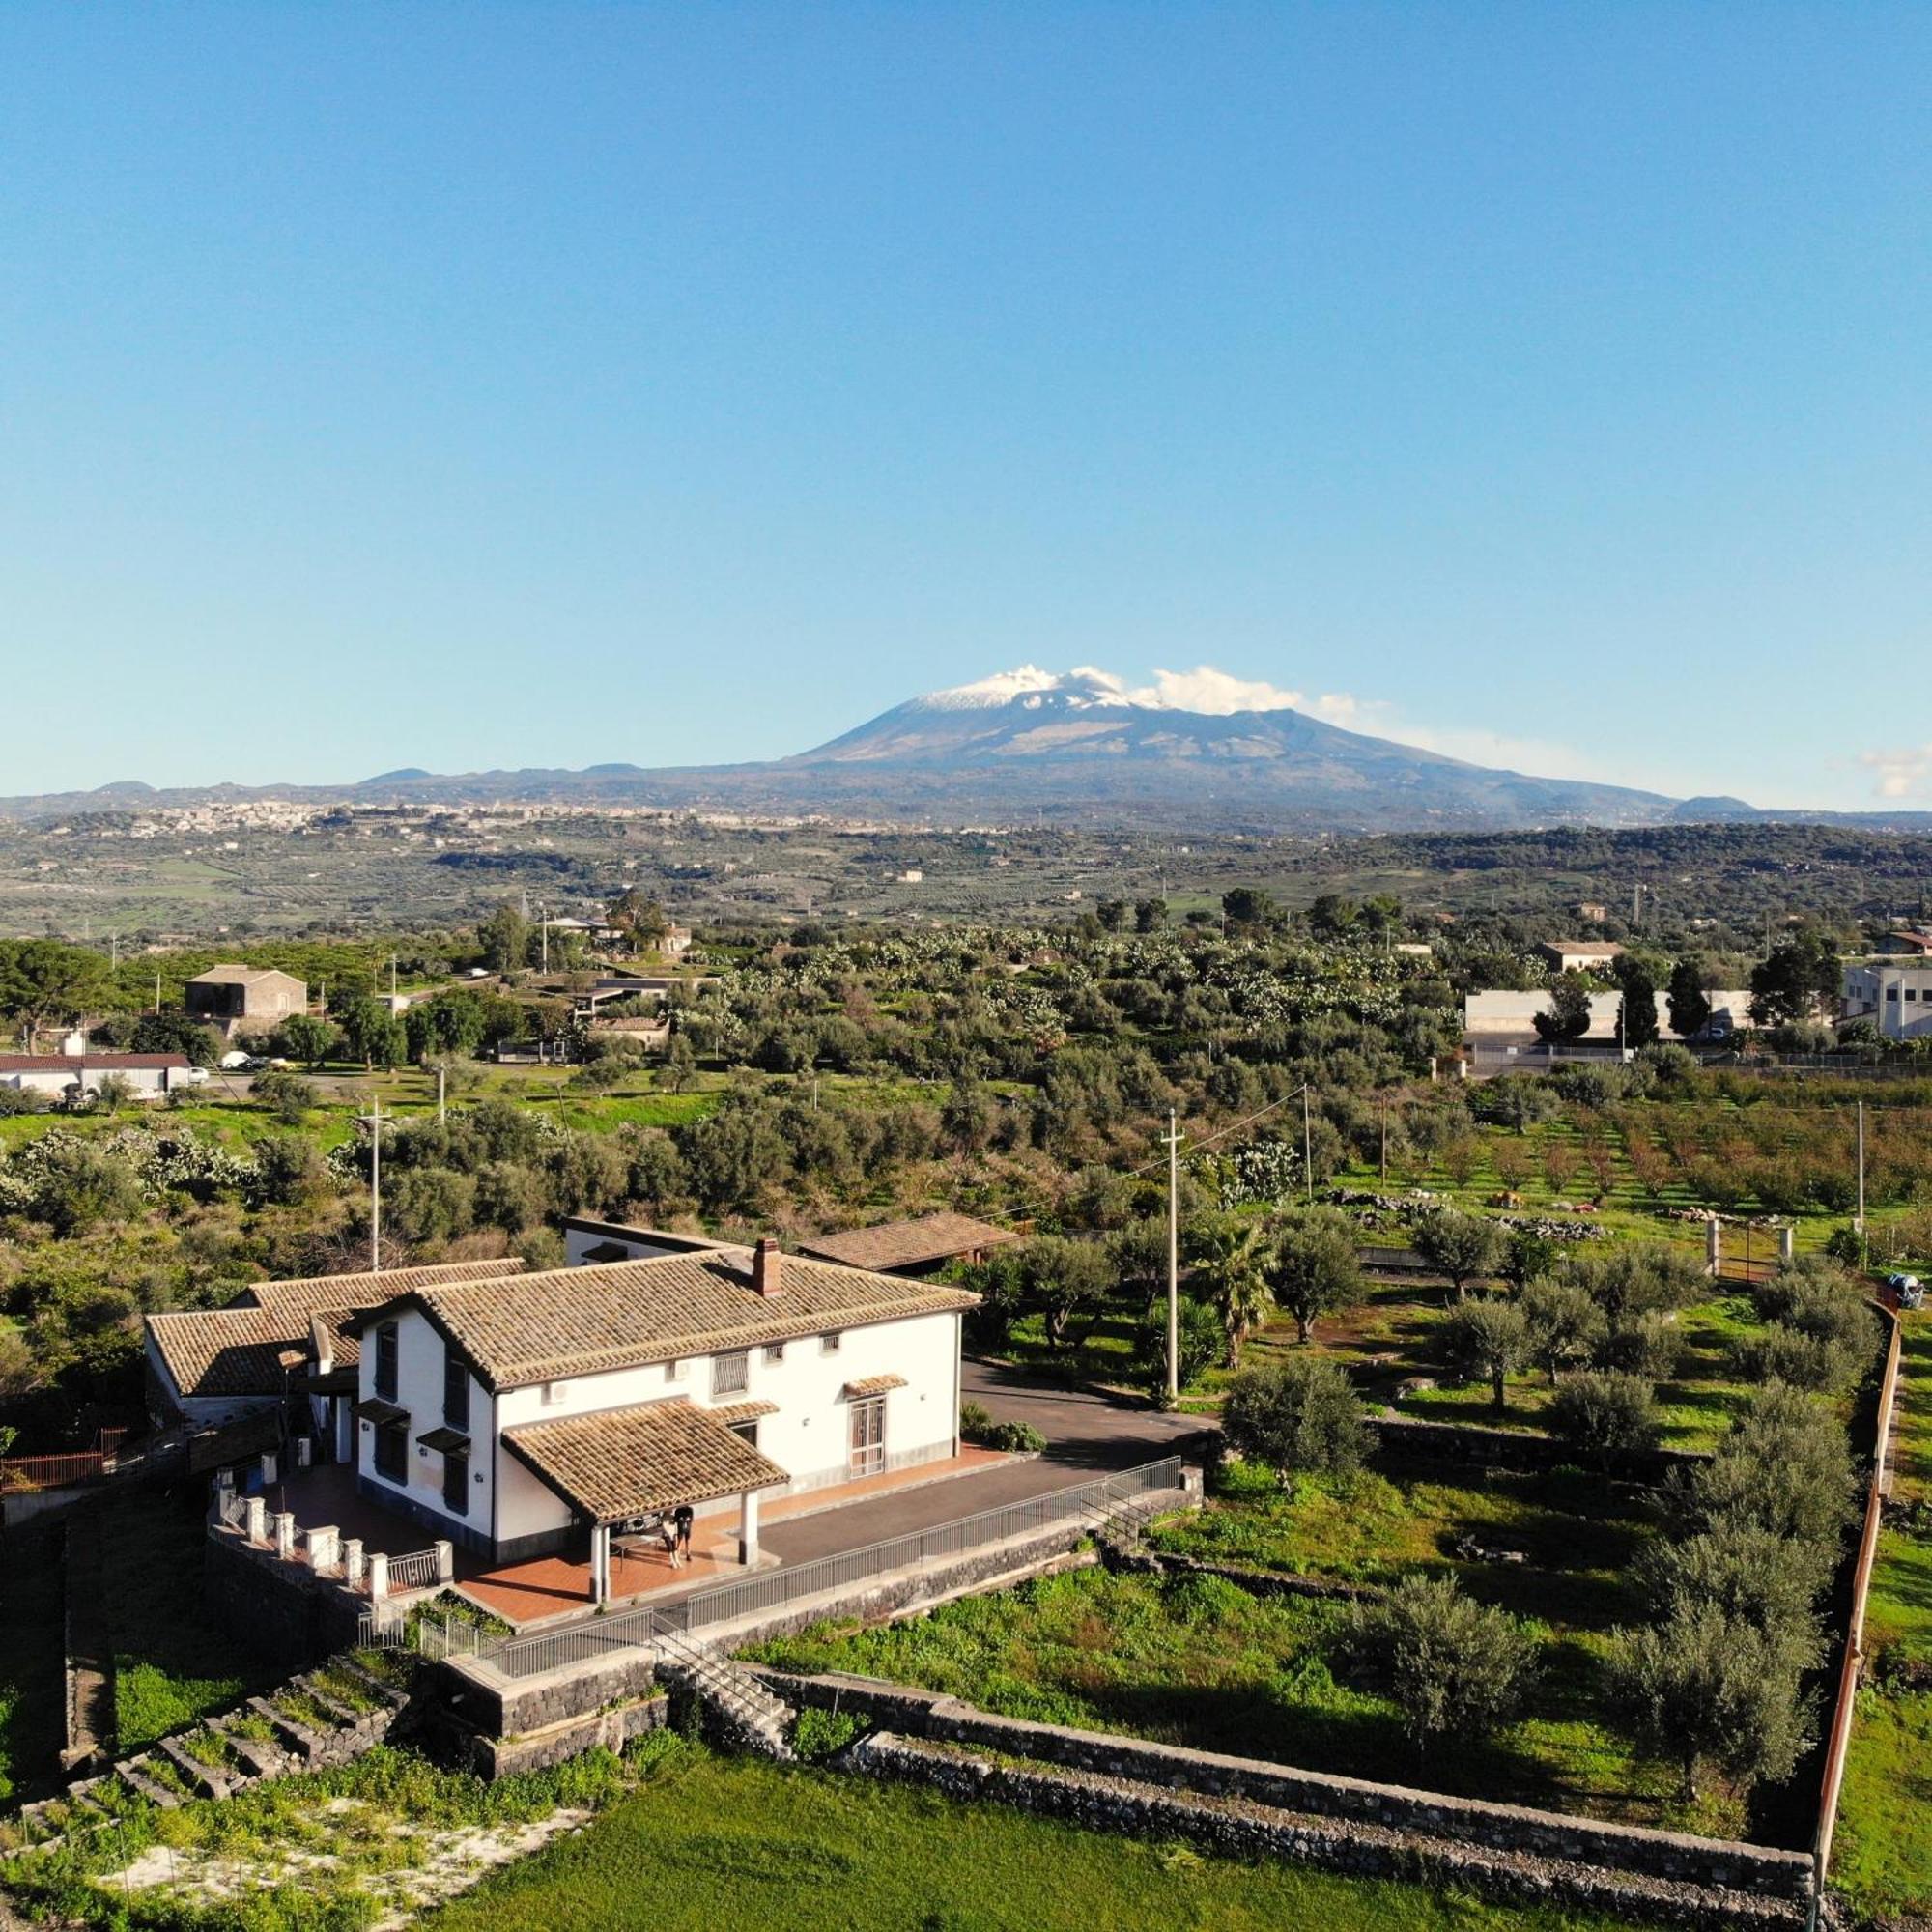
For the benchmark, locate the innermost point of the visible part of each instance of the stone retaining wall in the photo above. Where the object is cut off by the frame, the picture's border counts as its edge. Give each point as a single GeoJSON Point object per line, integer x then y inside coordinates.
{"type": "Point", "coordinates": [282, 1609]}
{"type": "Point", "coordinates": [1520, 1449]}
{"type": "Point", "coordinates": [495, 1757]}
{"type": "Point", "coordinates": [1237, 1826]}
{"type": "Point", "coordinates": [1669, 1856]}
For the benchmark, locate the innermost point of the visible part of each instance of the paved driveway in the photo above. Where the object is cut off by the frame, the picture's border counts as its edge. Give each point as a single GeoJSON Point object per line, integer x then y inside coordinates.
{"type": "Point", "coordinates": [1084, 1430]}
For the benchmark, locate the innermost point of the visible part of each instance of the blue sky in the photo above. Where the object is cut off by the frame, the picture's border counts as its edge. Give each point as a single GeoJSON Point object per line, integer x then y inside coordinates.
{"type": "Point", "coordinates": [477, 384]}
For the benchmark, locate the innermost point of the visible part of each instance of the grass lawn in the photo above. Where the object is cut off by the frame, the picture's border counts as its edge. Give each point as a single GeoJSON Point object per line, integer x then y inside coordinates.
{"type": "Point", "coordinates": [1198, 1662]}
{"type": "Point", "coordinates": [1881, 1857]}
{"type": "Point", "coordinates": [171, 1664]}
{"type": "Point", "coordinates": [739, 1842]}
{"type": "Point", "coordinates": [32, 1688]}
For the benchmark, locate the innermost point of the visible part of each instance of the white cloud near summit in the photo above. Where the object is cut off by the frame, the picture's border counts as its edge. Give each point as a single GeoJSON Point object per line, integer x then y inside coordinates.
{"type": "Point", "coordinates": [1901, 774]}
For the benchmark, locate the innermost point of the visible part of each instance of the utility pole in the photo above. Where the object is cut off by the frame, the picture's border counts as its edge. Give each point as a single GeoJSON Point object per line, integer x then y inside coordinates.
{"type": "Point", "coordinates": [1172, 1138]}
{"type": "Point", "coordinates": [442, 1094]}
{"type": "Point", "coordinates": [542, 927]}
{"type": "Point", "coordinates": [376, 1187]}
{"type": "Point", "coordinates": [1385, 1140]}
{"type": "Point", "coordinates": [1307, 1148]}
{"type": "Point", "coordinates": [157, 992]}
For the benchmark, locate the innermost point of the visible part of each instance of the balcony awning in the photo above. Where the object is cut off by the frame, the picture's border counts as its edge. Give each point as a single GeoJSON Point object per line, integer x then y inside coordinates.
{"type": "Point", "coordinates": [446, 1441]}
{"type": "Point", "coordinates": [734, 1412]}
{"type": "Point", "coordinates": [379, 1410]}
{"type": "Point", "coordinates": [872, 1385]}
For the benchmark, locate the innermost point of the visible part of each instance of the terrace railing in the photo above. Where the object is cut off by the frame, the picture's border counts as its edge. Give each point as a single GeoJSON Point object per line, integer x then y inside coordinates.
{"type": "Point", "coordinates": [418, 1571]}
{"type": "Point", "coordinates": [771, 1590]}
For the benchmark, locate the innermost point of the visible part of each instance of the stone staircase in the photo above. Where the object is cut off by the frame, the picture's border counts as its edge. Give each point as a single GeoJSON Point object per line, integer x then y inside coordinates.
{"type": "Point", "coordinates": [327, 1715]}
{"type": "Point", "coordinates": [745, 1711]}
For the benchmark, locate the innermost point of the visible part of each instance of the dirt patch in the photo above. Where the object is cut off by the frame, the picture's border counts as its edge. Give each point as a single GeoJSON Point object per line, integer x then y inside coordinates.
{"type": "Point", "coordinates": [420, 1866]}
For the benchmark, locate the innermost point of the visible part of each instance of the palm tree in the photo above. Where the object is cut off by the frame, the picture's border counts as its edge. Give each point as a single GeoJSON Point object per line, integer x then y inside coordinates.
{"type": "Point", "coordinates": [1229, 1255]}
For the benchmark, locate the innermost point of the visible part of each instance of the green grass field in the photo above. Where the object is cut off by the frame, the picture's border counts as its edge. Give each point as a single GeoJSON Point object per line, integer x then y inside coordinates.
{"type": "Point", "coordinates": [1882, 1856]}
{"type": "Point", "coordinates": [738, 1843]}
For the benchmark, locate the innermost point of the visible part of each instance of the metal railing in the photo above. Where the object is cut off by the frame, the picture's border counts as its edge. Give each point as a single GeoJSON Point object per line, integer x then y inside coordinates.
{"type": "Point", "coordinates": [596, 1636]}
{"type": "Point", "coordinates": [416, 1571]}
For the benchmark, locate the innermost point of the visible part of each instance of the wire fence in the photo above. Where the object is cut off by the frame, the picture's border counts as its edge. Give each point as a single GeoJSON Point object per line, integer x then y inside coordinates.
{"type": "Point", "coordinates": [771, 1590]}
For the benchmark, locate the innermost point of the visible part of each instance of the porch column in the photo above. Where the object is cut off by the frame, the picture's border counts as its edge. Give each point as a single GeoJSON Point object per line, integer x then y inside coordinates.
{"type": "Point", "coordinates": [256, 1519]}
{"type": "Point", "coordinates": [379, 1576]}
{"type": "Point", "coordinates": [446, 1560]}
{"type": "Point", "coordinates": [285, 1535]}
{"type": "Point", "coordinates": [1787, 1244]}
{"type": "Point", "coordinates": [748, 1527]}
{"type": "Point", "coordinates": [600, 1563]}
{"type": "Point", "coordinates": [352, 1562]}
{"type": "Point", "coordinates": [1714, 1246]}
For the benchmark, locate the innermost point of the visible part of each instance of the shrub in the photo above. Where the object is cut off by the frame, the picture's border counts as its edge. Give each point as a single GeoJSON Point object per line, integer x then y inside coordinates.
{"type": "Point", "coordinates": [1752, 1576]}
{"type": "Point", "coordinates": [1451, 1666]}
{"type": "Point", "coordinates": [1016, 1438]}
{"type": "Point", "coordinates": [1606, 1417]}
{"type": "Point", "coordinates": [1299, 1415]}
{"type": "Point", "coordinates": [820, 1734]}
{"type": "Point", "coordinates": [1204, 1343]}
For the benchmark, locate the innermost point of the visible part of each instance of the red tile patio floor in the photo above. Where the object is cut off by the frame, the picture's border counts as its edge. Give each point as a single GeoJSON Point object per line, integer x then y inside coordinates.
{"type": "Point", "coordinates": [559, 1584]}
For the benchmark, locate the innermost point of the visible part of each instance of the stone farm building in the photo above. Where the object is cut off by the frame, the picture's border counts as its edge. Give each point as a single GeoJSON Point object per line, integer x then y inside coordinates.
{"type": "Point", "coordinates": [511, 1415]}
{"type": "Point", "coordinates": [244, 999]}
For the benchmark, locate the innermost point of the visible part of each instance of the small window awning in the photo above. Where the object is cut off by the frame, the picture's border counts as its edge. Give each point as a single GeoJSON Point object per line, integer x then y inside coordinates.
{"type": "Point", "coordinates": [872, 1385]}
{"type": "Point", "coordinates": [380, 1411]}
{"type": "Point", "coordinates": [732, 1413]}
{"type": "Point", "coordinates": [618, 1463]}
{"type": "Point", "coordinates": [446, 1441]}
{"type": "Point", "coordinates": [609, 1251]}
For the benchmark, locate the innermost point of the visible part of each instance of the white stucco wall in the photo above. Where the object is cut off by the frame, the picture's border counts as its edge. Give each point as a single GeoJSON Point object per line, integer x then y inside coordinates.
{"type": "Point", "coordinates": [420, 1358]}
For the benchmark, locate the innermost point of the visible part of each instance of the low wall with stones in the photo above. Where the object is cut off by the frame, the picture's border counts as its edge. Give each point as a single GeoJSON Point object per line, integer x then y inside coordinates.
{"type": "Point", "coordinates": [1242, 1826]}
{"type": "Point", "coordinates": [1512, 1448]}
{"type": "Point", "coordinates": [1668, 1856]}
{"type": "Point", "coordinates": [495, 1757]}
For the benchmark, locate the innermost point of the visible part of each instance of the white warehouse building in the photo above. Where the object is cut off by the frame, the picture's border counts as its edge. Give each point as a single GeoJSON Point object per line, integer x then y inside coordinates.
{"type": "Point", "coordinates": [1895, 995]}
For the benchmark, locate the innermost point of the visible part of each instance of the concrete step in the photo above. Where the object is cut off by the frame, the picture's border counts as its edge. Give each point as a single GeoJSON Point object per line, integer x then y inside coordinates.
{"type": "Point", "coordinates": [303, 1741]}
{"type": "Point", "coordinates": [261, 1759]}
{"type": "Point", "coordinates": [204, 1778]}
{"type": "Point", "coordinates": [133, 1774]}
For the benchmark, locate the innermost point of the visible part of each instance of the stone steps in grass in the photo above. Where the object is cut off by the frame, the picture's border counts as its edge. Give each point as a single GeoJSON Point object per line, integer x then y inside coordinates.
{"type": "Point", "coordinates": [137, 1775]}
{"type": "Point", "coordinates": [205, 1779]}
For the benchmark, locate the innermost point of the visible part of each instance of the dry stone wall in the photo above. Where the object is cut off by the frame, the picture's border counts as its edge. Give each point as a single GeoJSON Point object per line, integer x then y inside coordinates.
{"type": "Point", "coordinates": [1669, 1856]}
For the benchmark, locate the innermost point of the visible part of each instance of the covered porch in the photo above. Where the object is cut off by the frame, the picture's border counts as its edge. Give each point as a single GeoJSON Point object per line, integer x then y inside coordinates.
{"type": "Point", "coordinates": [623, 1471]}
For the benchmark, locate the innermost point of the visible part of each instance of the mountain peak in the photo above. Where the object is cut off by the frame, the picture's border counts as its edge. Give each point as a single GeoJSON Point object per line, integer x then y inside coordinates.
{"type": "Point", "coordinates": [1077, 689]}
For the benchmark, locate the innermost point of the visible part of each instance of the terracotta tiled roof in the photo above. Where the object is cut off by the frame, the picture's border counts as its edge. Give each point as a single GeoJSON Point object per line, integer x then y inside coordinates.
{"type": "Point", "coordinates": [621, 1462]}
{"type": "Point", "coordinates": [898, 1245]}
{"type": "Point", "coordinates": [584, 1321]}
{"type": "Point", "coordinates": [260, 1344]}
{"type": "Point", "coordinates": [874, 1385]}
{"type": "Point", "coordinates": [231, 1351]}
{"type": "Point", "coordinates": [309, 1295]}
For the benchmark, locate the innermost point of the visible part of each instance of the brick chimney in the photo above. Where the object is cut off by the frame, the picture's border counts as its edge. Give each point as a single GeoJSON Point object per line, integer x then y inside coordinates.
{"type": "Point", "coordinates": [767, 1268]}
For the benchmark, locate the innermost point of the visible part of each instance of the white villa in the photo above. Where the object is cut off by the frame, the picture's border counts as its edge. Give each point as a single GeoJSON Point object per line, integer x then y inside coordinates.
{"type": "Point", "coordinates": [512, 1415]}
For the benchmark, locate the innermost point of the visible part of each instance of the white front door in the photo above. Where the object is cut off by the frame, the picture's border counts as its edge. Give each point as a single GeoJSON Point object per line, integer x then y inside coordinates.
{"type": "Point", "coordinates": [869, 1436]}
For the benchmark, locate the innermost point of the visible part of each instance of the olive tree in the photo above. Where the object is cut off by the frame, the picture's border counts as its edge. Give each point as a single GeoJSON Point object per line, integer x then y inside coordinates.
{"type": "Point", "coordinates": [1490, 1340]}
{"type": "Point", "coordinates": [1299, 1415]}
{"type": "Point", "coordinates": [1604, 1416]}
{"type": "Point", "coordinates": [1452, 1667]}
{"type": "Point", "coordinates": [1463, 1248]}
{"type": "Point", "coordinates": [1313, 1269]}
{"type": "Point", "coordinates": [1704, 1688]}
